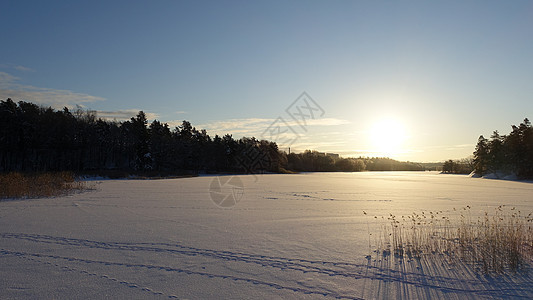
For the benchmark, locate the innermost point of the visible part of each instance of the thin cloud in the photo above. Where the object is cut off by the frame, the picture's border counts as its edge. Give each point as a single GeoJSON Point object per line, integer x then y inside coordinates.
{"type": "Point", "coordinates": [10, 88]}
{"type": "Point", "coordinates": [237, 123]}
{"type": "Point", "coordinates": [23, 69]}
{"type": "Point", "coordinates": [124, 115]}
{"type": "Point", "coordinates": [17, 67]}
{"type": "Point", "coordinates": [175, 123]}
{"type": "Point", "coordinates": [461, 146]}
{"type": "Point", "coordinates": [255, 126]}
{"type": "Point", "coordinates": [7, 79]}
{"type": "Point", "coordinates": [450, 147]}
{"type": "Point", "coordinates": [238, 127]}
{"type": "Point", "coordinates": [324, 122]}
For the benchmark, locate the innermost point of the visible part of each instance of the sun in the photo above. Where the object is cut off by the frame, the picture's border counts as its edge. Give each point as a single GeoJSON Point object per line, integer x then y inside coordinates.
{"type": "Point", "coordinates": [388, 137]}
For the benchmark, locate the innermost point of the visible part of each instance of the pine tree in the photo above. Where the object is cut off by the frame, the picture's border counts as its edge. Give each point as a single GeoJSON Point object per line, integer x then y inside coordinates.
{"type": "Point", "coordinates": [481, 156]}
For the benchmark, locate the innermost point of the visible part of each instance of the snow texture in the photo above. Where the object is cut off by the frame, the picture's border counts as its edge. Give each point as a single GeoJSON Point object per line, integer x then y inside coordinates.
{"type": "Point", "coordinates": [290, 236]}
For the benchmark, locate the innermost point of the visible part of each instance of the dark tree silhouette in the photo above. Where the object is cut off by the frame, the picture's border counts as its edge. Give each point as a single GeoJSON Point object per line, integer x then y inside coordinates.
{"type": "Point", "coordinates": [512, 153]}
{"type": "Point", "coordinates": [37, 138]}
{"type": "Point", "coordinates": [481, 155]}
{"type": "Point", "coordinates": [34, 138]}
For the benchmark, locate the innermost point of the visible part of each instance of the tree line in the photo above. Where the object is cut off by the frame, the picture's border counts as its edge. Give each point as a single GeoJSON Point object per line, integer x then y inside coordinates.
{"type": "Point", "coordinates": [459, 166]}
{"type": "Point", "coordinates": [41, 139]}
{"type": "Point", "coordinates": [512, 153]}
{"type": "Point", "coordinates": [35, 138]}
{"type": "Point", "coordinates": [313, 161]}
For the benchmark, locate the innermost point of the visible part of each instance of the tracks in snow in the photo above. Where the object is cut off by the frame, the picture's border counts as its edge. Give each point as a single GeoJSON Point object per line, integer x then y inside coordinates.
{"type": "Point", "coordinates": [373, 272]}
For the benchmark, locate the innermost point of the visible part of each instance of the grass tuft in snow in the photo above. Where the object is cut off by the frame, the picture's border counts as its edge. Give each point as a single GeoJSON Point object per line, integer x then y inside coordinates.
{"type": "Point", "coordinates": [499, 241]}
{"type": "Point", "coordinates": [18, 185]}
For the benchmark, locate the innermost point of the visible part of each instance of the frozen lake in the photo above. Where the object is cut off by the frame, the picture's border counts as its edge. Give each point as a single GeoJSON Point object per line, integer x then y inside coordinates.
{"type": "Point", "coordinates": [288, 236]}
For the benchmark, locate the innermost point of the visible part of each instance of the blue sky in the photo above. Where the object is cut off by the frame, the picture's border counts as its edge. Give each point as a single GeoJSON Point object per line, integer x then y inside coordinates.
{"type": "Point", "coordinates": [438, 74]}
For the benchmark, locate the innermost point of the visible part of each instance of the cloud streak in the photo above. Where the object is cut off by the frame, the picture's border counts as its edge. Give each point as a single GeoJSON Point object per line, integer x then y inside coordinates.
{"type": "Point", "coordinates": [124, 115]}
{"type": "Point", "coordinates": [16, 67]}
{"type": "Point", "coordinates": [282, 131]}
{"type": "Point", "coordinates": [57, 98]}
{"type": "Point", "coordinates": [259, 125]}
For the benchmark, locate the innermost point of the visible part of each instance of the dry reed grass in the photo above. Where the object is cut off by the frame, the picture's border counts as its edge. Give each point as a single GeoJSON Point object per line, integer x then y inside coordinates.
{"type": "Point", "coordinates": [498, 241]}
{"type": "Point", "coordinates": [18, 185]}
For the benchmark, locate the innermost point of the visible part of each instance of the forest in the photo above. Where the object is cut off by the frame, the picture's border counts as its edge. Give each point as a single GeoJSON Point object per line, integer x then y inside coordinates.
{"type": "Point", "coordinates": [512, 153]}
{"type": "Point", "coordinates": [41, 139]}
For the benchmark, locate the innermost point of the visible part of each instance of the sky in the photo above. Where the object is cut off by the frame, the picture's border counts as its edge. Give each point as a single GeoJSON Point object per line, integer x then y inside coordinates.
{"type": "Point", "coordinates": [412, 80]}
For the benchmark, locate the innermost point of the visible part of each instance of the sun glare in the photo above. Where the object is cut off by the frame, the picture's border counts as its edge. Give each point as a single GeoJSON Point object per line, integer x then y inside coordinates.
{"type": "Point", "coordinates": [388, 137]}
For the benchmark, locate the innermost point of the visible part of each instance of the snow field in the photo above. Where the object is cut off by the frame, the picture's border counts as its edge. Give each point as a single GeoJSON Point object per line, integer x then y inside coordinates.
{"type": "Point", "coordinates": [289, 236]}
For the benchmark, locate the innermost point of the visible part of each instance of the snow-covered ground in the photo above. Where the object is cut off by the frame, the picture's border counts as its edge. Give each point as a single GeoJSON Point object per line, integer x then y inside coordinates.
{"type": "Point", "coordinates": [288, 236]}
